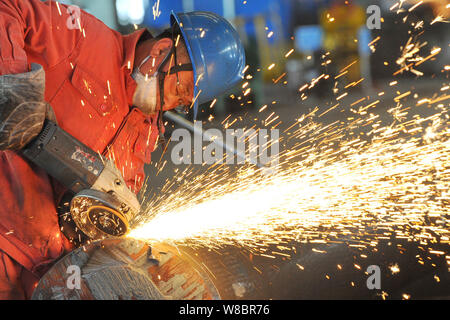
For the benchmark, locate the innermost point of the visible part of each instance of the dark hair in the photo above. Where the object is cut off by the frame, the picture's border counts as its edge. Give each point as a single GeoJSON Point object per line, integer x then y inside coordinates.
{"type": "Point", "coordinates": [171, 33]}
{"type": "Point", "coordinates": [167, 33]}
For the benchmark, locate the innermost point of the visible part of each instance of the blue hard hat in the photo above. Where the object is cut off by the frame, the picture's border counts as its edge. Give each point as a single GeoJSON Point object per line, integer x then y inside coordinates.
{"type": "Point", "coordinates": [216, 53]}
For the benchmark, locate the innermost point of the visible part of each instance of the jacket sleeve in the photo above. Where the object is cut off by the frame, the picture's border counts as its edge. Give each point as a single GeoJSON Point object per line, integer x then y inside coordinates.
{"type": "Point", "coordinates": [34, 31]}
{"type": "Point", "coordinates": [13, 58]}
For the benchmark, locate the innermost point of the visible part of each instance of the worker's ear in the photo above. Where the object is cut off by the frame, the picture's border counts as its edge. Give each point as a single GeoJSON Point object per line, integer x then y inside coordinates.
{"type": "Point", "coordinates": [158, 53]}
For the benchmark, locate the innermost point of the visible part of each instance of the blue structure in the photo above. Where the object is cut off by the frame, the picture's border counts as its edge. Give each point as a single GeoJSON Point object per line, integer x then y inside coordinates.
{"type": "Point", "coordinates": [251, 8]}
{"type": "Point", "coordinates": [309, 38]}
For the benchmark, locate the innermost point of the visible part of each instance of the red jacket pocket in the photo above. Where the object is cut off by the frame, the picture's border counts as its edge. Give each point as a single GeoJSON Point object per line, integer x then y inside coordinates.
{"type": "Point", "coordinates": [97, 94]}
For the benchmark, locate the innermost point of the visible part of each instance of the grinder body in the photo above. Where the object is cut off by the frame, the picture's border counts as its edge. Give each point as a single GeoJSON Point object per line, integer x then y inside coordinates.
{"type": "Point", "coordinates": [103, 205]}
{"type": "Point", "coordinates": [73, 164]}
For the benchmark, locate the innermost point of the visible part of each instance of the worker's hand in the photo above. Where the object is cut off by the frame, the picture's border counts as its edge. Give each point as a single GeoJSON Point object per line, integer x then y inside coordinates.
{"type": "Point", "coordinates": [22, 107]}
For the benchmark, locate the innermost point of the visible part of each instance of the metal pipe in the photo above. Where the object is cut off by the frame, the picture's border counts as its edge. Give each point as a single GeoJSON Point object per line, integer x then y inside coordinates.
{"type": "Point", "coordinates": [184, 123]}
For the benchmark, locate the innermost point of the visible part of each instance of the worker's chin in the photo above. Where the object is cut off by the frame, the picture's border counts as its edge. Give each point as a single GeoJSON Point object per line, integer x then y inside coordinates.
{"type": "Point", "coordinates": [147, 107]}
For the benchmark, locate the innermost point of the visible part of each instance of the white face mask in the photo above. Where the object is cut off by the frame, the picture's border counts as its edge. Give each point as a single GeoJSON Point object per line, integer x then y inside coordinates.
{"type": "Point", "coordinates": [146, 92]}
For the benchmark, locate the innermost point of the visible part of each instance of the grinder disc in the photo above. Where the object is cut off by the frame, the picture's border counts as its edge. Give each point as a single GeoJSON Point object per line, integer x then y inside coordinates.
{"type": "Point", "coordinates": [107, 220]}
{"type": "Point", "coordinates": [99, 215]}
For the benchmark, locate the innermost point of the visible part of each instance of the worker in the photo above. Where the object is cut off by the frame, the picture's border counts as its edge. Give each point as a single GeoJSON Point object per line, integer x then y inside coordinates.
{"type": "Point", "coordinates": [105, 89]}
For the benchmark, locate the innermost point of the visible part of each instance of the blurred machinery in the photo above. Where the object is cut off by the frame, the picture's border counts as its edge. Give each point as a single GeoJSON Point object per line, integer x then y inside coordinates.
{"type": "Point", "coordinates": [341, 23]}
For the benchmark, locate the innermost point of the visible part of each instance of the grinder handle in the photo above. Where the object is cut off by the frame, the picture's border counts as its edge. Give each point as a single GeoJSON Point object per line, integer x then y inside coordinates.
{"type": "Point", "coordinates": [64, 158]}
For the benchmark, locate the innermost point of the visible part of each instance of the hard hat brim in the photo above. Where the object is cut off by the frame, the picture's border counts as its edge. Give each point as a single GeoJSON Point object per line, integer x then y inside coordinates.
{"type": "Point", "coordinates": [174, 18]}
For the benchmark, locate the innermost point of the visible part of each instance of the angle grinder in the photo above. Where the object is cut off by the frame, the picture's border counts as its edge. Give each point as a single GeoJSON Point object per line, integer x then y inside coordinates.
{"type": "Point", "coordinates": [102, 205]}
